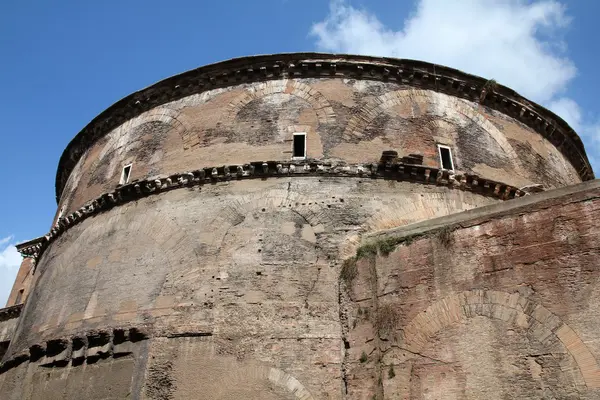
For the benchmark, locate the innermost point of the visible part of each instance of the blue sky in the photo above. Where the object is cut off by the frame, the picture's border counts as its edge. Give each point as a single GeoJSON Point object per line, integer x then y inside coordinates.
{"type": "Point", "coordinates": [63, 62]}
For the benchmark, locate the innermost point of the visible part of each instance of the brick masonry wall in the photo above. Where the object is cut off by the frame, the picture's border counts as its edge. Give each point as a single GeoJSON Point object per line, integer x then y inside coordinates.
{"type": "Point", "coordinates": [345, 120]}
{"type": "Point", "coordinates": [240, 292]}
{"type": "Point", "coordinates": [21, 287]}
{"type": "Point", "coordinates": [233, 288]}
{"type": "Point", "coordinates": [234, 277]}
{"type": "Point", "coordinates": [501, 305]}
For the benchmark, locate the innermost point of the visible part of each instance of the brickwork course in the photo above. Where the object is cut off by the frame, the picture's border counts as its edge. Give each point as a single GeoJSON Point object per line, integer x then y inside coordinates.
{"type": "Point", "coordinates": [195, 254]}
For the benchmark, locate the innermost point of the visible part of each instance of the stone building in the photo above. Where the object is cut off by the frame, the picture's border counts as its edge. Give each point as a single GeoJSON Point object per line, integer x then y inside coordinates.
{"type": "Point", "coordinates": [314, 226]}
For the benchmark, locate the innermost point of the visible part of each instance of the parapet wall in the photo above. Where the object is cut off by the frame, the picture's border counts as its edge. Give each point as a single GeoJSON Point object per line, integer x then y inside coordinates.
{"type": "Point", "coordinates": [24, 278]}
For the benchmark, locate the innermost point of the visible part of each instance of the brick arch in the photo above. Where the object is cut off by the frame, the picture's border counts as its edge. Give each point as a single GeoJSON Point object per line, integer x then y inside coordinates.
{"type": "Point", "coordinates": [318, 102]}
{"type": "Point", "coordinates": [514, 309]}
{"type": "Point", "coordinates": [313, 213]}
{"type": "Point", "coordinates": [451, 106]}
{"type": "Point", "coordinates": [119, 137]}
{"type": "Point", "coordinates": [288, 383]}
{"type": "Point", "coordinates": [162, 114]}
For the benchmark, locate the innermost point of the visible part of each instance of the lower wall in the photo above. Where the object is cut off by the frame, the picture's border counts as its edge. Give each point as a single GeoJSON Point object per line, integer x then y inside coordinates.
{"type": "Point", "coordinates": [9, 318]}
{"type": "Point", "coordinates": [236, 282]}
{"type": "Point", "coordinates": [99, 377]}
{"type": "Point", "coordinates": [158, 368]}
{"type": "Point", "coordinates": [495, 303]}
{"type": "Point", "coordinates": [7, 329]}
{"type": "Point", "coordinates": [502, 301]}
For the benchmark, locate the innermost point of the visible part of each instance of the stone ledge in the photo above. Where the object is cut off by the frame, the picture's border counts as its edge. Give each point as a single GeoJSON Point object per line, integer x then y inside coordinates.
{"type": "Point", "coordinates": [90, 346]}
{"type": "Point", "coordinates": [30, 247]}
{"type": "Point", "coordinates": [267, 169]}
{"type": "Point", "coordinates": [315, 65]}
{"type": "Point", "coordinates": [10, 312]}
{"type": "Point", "coordinates": [580, 192]}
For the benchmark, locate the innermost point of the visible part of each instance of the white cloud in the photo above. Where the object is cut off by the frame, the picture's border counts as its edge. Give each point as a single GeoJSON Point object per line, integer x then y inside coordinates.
{"type": "Point", "coordinates": [519, 44]}
{"type": "Point", "coordinates": [10, 260]}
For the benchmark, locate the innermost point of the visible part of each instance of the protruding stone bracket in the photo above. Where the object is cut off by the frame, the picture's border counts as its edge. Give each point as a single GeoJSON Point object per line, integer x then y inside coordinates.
{"type": "Point", "coordinates": [88, 347]}
{"type": "Point", "coordinates": [10, 312]}
{"type": "Point", "coordinates": [58, 352]}
{"type": "Point", "coordinates": [91, 346]}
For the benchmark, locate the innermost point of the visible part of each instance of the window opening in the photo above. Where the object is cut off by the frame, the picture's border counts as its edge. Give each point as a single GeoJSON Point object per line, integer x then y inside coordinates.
{"type": "Point", "coordinates": [299, 149]}
{"type": "Point", "coordinates": [19, 296]}
{"type": "Point", "coordinates": [446, 157]}
{"type": "Point", "coordinates": [125, 174]}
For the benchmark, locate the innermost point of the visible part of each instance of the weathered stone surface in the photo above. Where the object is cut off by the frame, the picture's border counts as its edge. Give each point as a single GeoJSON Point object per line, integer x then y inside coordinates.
{"type": "Point", "coordinates": [8, 322]}
{"type": "Point", "coordinates": [23, 281]}
{"type": "Point", "coordinates": [223, 269]}
{"type": "Point", "coordinates": [502, 302]}
{"type": "Point", "coordinates": [350, 120]}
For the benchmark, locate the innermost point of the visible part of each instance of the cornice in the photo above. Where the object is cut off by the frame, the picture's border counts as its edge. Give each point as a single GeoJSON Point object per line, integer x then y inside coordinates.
{"type": "Point", "coordinates": [77, 348]}
{"type": "Point", "coordinates": [30, 247]}
{"type": "Point", "coordinates": [91, 345]}
{"type": "Point", "coordinates": [10, 312]}
{"type": "Point", "coordinates": [317, 65]}
{"type": "Point", "coordinates": [270, 169]}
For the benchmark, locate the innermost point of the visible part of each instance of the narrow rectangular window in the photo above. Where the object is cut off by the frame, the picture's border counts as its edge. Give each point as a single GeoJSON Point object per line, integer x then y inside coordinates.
{"type": "Point", "coordinates": [125, 174]}
{"type": "Point", "coordinates": [19, 296]}
{"type": "Point", "coordinates": [446, 157]}
{"type": "Point", "coordinates": [299, 149]}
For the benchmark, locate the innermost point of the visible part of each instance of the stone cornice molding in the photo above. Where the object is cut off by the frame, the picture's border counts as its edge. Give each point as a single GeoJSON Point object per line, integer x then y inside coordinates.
{"type": "Point", "coordinates": [10, 312]}
{"type": "Point", "coordinates": [270, 169]}
{"type": "Point", "coordinates": [78, 347]}
{"type": "Point", "coordinates": [316, 65]}
{"type": "Point", "coordinates": [31, 247]}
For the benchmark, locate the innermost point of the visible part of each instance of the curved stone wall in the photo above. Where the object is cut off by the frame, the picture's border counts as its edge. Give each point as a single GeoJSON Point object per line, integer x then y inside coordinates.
{"type": "Point", "coordinates": [404, 73]}
{"type": "Point", "coordinates": [220, 265]}
{"type": "Point", "coordinates": [248, 268]}
{"type": "Point", "coordinates": [196, 250]}
{"type": "Point", "coordinates": [346, 121]}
